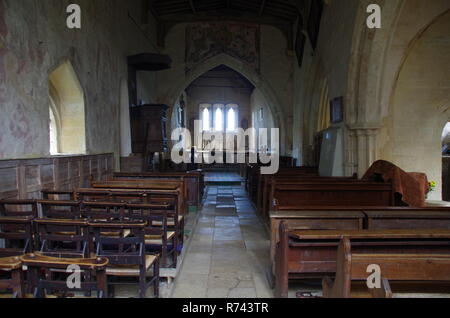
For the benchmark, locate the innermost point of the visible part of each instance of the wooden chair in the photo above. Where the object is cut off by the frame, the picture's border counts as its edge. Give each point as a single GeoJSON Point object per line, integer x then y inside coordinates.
{"type": "Point", "coordinates": [52, 209]}
{"type": "Point", "coordinates": [108, 211]}
{"type": "Point", "coordinates": [157, 235]}
{"type": "Point", "coordinates": [353, 267]}
{"type": "Point", "coordinates": [99, 195]}
{"type": "Point", "coordinates": [58, 195]}
{"type": "Point", "coordinates": [127, 255]}
{"type": "Point", "coordinates": [17, 233]}
{"type": "Point", "coordinates": [162, 188]}
{"type": "Point", "coordinates": [194, 181]}
{"type": "Point", "coordinates": [63, 238]}
{"type": "Point", "coordinates": [18, 208]}
{"type": "Point", "coordinates": [12, 266]}
{"type": "Point", "coordinates": [44, 285]}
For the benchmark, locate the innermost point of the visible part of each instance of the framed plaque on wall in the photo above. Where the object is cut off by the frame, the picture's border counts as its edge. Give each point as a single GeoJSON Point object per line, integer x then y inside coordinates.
{"type": "Point", "coordinates": [337, 110]}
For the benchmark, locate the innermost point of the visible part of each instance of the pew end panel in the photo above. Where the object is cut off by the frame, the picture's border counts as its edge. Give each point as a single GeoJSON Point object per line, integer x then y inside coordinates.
{"type": "Point", "coordinates": [354, 266]}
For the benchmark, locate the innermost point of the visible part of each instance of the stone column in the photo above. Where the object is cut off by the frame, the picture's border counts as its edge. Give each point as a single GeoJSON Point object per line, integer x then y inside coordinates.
{"type": "Point", "coordinates": [361, 149]}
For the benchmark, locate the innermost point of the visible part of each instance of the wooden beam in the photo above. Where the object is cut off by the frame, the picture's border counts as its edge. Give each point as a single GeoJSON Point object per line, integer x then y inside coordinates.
{"type": "Point", "coordinates": [191, 4]}
{"type": "Point", "coordinates": [152, 10]}
{"type": "Point", "coordinates": [263, 5]}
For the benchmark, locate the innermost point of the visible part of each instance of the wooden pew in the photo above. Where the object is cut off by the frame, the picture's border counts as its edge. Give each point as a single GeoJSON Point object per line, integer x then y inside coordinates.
{"type": "Point", "coordinates": [352, 266]}
{"type": "Point", "coordinates": [265, 202]}
{"type": "Point", "coordinates": [255, 180]}
{"type": "Point", "coordinates": [307, 194]}
{"type": "Point", "coordinates": [128, 196]}
{"type": "Point", "coordinates": [42, 285]}
{"type": "Point", "coordinates": [410, 218]}
{"type": "Point", "coordinates": [12, 266]}
{"type": "Point", "coordinates": [163, 187]}
{"type": "Point", "coordinates": [264, 181]}
{"type": "Point", "coordinates": [194, 182]}
{"type": "Point", "coordinates": [252, 175]}
{"type": "Point", "coordinates": [313, 254]}
{"type": "Point", "coordinates": [336, 218]}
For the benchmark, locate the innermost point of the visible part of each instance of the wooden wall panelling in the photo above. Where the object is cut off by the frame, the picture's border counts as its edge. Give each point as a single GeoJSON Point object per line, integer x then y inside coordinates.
{"type": "Point", "coordinates": [24, 179]}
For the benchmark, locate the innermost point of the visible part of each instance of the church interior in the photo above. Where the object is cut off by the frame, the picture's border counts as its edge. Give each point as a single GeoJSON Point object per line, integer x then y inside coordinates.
{"type": "Point", "coordinates": [136, 137]}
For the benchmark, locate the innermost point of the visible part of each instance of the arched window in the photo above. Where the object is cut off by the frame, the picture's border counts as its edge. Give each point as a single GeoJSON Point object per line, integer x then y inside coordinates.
{"type": "Point", "coordinates": [205, 119]}
{"type": "Point", "coordinates": [54, 132]}
{"type": "Point", "coordinates": [218, 120]}
{"type": "Point", "coordinates": [232, 117]}
{"type": "Point", "coordinates": [67, 110]}
{"type": "Point", "coordinates": [219, 117]}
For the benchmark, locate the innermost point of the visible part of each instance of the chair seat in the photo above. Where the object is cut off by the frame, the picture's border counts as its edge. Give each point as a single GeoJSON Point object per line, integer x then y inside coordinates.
{"type": "Point", "coordinates": [128, 270]}
{"type": "Point", "coordinates": [157, 240]}
{"type": "Point", "coordinates": [126, 233]}
{"type": "Point", "coordinates": [27, 296]}
{"type": "Point", "coordinates": [10, 263]}
{"type": "Point", "coordinates": [170, 221]}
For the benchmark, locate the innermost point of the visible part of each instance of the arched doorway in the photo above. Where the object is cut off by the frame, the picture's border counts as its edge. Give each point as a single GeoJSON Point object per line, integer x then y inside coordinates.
{"type": "Point", "coordinates": [446, 162]}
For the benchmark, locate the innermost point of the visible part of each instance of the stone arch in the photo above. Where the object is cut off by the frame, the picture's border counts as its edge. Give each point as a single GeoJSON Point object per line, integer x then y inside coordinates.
{"type": "Point", "coordinates": [376, 61]}
{"type": "Point", "coordinates": [256, 79]}
{"type": "Point", "coordinates": [419, 107]}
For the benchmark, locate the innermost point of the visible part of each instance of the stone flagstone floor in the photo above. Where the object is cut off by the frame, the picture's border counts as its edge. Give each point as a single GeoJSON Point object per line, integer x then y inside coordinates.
{"type": "Point", "coordinates": [229, 250]}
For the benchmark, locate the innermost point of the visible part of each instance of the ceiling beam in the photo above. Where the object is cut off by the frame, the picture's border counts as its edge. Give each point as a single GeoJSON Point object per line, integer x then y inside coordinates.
{"type": "Point", "coordinates": [191, 4]}
{"type": "Point", "coordinates": [263, 5]}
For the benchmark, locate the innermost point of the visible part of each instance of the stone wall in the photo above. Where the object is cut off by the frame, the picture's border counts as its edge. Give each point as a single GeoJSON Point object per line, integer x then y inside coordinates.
{"type": "Point", "coordinates": [411, 136]}
{"type": "Point", "coordinates": [34, 40]}
{"type": "Point", "coordinates": [258, 104]}
{"type": "Point", "coordinates": [327, 64]}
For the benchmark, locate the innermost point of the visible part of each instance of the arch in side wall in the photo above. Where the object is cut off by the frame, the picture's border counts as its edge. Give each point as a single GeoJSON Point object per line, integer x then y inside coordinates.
{"type": "Point", "coordinates": [411, 136]}
{"type": "Point", "coordinates": [376, 61]}
{"type": "Point", "coordinates": [256, 79]}
{"type": "Point", "coordinates": [68, 106]}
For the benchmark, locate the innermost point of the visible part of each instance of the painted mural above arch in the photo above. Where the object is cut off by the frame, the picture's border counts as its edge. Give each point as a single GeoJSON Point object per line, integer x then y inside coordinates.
{"type": "Point", "coordinates": [205, 40]}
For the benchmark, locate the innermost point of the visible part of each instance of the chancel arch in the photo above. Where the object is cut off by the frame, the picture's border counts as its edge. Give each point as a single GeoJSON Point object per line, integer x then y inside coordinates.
{"type": "Point", "coordinates": [256, 79]}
